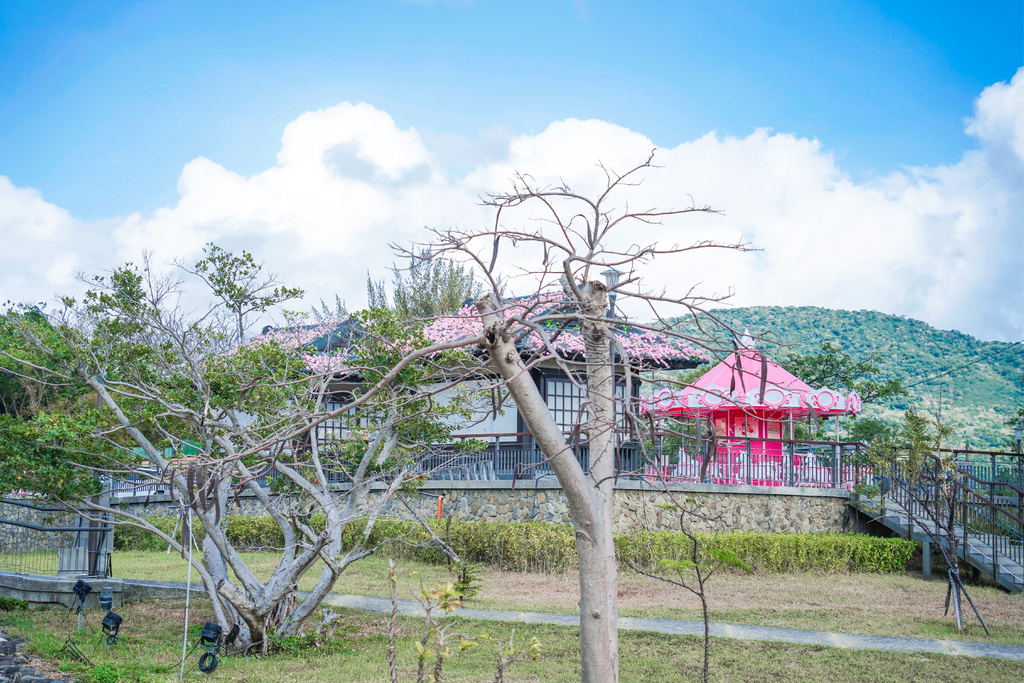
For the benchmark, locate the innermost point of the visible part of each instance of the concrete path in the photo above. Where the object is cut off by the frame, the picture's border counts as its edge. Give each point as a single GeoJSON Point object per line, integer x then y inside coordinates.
{"type": "Point", "coordinates": [696, 628]}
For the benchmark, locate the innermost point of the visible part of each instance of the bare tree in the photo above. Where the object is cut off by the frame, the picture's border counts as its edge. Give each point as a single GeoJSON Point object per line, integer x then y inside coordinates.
{"type": "Point", "coordinates": [576, 237]}
{"type": "Point", "coordinates": [923, 481]}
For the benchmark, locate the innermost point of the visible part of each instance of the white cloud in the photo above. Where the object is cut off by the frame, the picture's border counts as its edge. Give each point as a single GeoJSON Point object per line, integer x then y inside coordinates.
{"type": "Point", "coordinates": [942, 244]}
{"type": "Point", "coordinates": [42, 245]}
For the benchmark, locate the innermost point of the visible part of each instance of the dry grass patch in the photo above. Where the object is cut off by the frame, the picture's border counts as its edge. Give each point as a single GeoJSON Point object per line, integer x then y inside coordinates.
{"type": "Point", "coordinates": [873, 604]}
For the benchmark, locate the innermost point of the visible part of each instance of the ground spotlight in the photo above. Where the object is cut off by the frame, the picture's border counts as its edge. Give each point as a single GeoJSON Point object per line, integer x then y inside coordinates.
{"type": "Point", "coordinates": [209, 638]}
{"type": "Point", "coordinates": [81, 589]}
{"type": "Point", "coordinates": [210, 635]}
{"type": "Point", "coordinates": [111, 625]}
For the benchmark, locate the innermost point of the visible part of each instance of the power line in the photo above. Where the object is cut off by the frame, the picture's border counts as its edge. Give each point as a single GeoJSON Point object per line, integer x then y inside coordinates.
{"type": "Point", "coordinates": [965, 365]}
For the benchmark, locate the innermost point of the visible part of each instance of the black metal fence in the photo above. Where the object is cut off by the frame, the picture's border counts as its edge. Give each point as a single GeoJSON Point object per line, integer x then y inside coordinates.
{"type": "Point", "coordinates": [984, 515]}
{"type": "Point", "coordinates": [76, 547]}
{"type": "Point", "coordinates": [757, 462]}
{"type": "Point", "coordinates": [726, 461]}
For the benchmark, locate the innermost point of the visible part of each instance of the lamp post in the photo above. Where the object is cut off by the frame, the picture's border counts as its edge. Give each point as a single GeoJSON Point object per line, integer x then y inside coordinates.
{"type": "Point", "coordinates": [611, 278]}
{"type": "Point", "coordinates": [1018, 431]}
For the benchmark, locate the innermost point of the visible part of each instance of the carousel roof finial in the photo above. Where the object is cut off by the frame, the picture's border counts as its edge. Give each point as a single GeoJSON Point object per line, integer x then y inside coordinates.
{"type": "Point", "coordinates": [747, 341]}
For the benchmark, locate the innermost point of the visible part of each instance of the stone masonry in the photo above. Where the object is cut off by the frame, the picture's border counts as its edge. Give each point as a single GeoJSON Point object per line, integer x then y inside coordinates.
{"type": "Point", "coordinates": [731, 508]}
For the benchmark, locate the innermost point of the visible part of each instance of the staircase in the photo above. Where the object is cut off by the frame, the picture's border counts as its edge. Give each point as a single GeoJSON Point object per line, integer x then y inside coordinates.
{"type": "Point", "coordinates": [986, 518]}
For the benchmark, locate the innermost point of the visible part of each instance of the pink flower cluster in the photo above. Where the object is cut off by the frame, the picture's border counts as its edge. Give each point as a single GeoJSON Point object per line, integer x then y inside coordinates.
{"type": "Point", "coordinates": [302, 337]}
{"type": "Point", "coordinates": [646, 346]}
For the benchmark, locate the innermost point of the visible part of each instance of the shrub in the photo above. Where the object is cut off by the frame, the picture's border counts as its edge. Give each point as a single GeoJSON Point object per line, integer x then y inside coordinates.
{"type": "Point", "coordinates": [543, 547]}
{"type": "Point", "coordinates": [11, 604]}
{"type": "Point", "coordinates": [133, 538]}
{"type": "Point", "coordinates": [773, 553]}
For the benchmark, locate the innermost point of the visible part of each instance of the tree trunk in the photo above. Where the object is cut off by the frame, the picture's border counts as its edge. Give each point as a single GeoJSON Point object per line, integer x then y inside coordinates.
{"type": "Point", "coordinates": [589, 505]}
{"type": "Point", "coordinates": [599, 584]}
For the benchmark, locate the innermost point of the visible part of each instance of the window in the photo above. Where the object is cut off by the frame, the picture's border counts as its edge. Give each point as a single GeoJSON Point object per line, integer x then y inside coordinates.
{"type": "Point", "coordinates": [330, 433]}
{"type": "Point", "coordinates": [564, 401]}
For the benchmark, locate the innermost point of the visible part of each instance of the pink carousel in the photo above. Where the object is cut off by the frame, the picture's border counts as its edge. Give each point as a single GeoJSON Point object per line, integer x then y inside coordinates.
{"type": "Point", "coordinates": [752, 438]}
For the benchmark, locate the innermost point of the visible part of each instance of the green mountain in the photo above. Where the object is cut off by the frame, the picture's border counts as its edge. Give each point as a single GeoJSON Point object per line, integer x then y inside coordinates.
{"type": "Point", "coordinates": [979, 383]}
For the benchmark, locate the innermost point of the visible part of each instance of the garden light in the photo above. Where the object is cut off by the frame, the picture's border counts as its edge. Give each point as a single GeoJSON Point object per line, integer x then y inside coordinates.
{"type": "Point", "coordinates": [111, 625]}
{"type": "Point", "coordinates": [209, 638]}
{"type": "Point", "coordinates": [210, 635]}
{"type": "Point", "coordinates": [81, 589]}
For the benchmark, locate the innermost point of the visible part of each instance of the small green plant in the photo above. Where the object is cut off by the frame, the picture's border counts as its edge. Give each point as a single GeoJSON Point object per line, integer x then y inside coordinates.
{"type": "Point", "coordinates": [11, 604]}
{"type": "Point", "coordinates": [434, 646]}
{"type": "Point", "coordinates": [468, 577]}
{"type": "Point", "coordinates": [108, 673]}
{"type": "Point", "coordinates": [693, 568]}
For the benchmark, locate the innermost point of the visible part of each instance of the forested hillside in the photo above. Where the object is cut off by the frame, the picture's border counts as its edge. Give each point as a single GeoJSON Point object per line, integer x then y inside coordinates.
{"type": "Point", "coordinates": [981, 387]}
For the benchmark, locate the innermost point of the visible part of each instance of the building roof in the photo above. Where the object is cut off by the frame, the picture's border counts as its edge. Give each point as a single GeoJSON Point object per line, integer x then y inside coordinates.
{"type": "Point", "coordinates": [735, 385]}
{"type": "Point", "coordinates": [325, 346]}
{"type": "Point", "coordinates": [647, 349]}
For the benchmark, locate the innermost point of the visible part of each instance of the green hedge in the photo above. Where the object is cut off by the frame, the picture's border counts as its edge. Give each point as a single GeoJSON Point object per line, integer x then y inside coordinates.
{"type": "Point", "coordinates": [538, 546]}
{"type": "Point", "coordinates": [775, 553]}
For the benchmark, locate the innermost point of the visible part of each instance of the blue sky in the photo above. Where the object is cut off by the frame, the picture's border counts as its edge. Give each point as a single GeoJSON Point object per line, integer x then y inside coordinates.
{"type": "Point", "coordinates": [103, 105]}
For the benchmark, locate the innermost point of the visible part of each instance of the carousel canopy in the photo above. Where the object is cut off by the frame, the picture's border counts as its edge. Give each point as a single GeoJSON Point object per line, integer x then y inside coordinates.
{"type": "Point", "coordinates": [735, 384]}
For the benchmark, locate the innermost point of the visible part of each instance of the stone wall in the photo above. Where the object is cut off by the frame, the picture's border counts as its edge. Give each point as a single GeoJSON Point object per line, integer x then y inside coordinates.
{"type": "Point", "coordinates": [637, 507]}
{"type": "Point", "coordinates": [743, 508]}
{"type": "Point", "coordinates": [18, 539]}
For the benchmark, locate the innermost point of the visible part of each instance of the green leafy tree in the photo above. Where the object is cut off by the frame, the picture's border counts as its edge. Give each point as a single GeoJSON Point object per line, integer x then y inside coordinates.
{"type": "Point", "coordinates": [871, 430]}
{"type": "Point", "coordinates": [241, 284]}
{"type": "Point", "coordinates": [429, 286]}
{"type": "Point", "coordinates": [203, 413]}
{"type": "Point", "coordinates": [43, 421]}
{"type": "Point", "coordinates": [913, 473]}
{"type": "Point", "coordinates": [1016, 422]}
{"type": "Point", "coordinates": [834, 368]}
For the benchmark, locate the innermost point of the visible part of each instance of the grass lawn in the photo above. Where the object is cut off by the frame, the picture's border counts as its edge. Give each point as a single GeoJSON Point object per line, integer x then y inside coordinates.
{"type": "Point", "coordinates": [151, 648]}
{"type": "Point", "coordinates": [872, 604]}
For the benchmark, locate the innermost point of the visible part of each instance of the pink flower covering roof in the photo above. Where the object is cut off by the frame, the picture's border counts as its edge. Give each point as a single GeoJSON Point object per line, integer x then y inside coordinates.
{"type": "Point", "coordinates": [323, 346]}
{"type": "Point", "coordinates": [649, 348]}
{"type": "Point", "coordinates": [735, 385]}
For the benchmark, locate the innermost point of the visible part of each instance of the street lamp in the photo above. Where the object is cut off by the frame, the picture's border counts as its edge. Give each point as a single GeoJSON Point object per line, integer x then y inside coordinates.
{"type": "Point", "coordinates": [611, 278]}
{"type": "Point", "coordinates": [1018, 431]}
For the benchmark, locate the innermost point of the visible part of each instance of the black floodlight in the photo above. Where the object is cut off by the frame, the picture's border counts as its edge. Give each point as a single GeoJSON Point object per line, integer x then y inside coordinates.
{"type": "Point", "coordinates": [232, 634]}
{"type": "Point", "coordinates": [210, 635]}
{"type": "Point", "coordinates": [209, 638]}
{"type": "Point", "coordinates": [111, 625]}
{"type": "Point", "coordinates": [81, 589]}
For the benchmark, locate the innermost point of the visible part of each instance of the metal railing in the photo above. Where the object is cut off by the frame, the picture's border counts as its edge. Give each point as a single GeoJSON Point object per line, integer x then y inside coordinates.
{"type": "Point", "coordinates": [988, 528]}
{"type": "Point", "coordinates": [757, 462]}
{"type": "Point", "coordinates": [726, 461]}
{"type": "Point", "coordinates": [690, 459]}
{"type": "Point", "coordinates": [51, 550]}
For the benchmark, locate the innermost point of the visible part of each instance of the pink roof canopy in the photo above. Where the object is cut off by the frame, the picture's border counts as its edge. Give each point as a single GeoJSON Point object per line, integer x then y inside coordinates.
{"type": "Point", "coordinates": [735, 385]}
{"type": "Point", "coordinates": [648, 348]}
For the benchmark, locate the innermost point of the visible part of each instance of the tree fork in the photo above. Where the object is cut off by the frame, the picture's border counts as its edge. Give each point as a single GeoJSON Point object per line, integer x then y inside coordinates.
{"type": "Point", "coordinates": [589, 501]}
